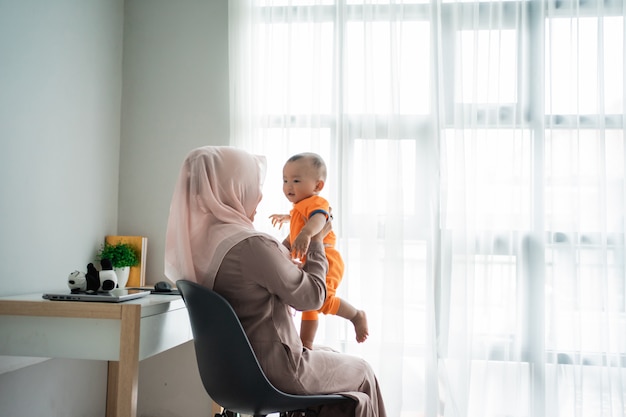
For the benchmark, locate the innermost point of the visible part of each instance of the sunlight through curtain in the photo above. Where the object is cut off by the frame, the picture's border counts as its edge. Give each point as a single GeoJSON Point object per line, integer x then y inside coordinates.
{"type": "Point", "coordinates": [476, 172]}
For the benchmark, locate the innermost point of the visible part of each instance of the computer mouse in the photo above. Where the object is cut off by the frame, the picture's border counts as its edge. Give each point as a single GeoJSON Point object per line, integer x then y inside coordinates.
{"type": "Point", "coordinates": [162, 286]}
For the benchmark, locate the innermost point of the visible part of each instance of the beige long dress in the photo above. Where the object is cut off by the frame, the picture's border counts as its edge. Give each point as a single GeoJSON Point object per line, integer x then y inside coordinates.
{"type": "Point", "coordinates": [263, 285]}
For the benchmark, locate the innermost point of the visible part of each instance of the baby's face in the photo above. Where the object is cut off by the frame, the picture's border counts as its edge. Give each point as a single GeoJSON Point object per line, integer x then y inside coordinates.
{"type": "Point", "coordinates": [300, 180]}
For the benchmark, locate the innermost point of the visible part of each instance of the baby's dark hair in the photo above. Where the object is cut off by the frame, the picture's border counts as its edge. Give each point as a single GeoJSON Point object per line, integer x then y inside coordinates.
{"type": "Point", "coordinates": [315, 160]}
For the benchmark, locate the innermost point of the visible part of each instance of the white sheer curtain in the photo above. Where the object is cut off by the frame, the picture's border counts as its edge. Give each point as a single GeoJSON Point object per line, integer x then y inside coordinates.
{"type": "Point", "coordinates": [476, 156]}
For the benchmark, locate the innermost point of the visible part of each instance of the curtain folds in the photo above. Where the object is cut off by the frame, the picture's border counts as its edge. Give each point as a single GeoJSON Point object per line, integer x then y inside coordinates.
{"type": "Point", "coordinates": [476, 173]}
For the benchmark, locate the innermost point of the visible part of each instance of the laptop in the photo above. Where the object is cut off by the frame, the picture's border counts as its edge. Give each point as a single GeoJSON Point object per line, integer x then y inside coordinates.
{"type": "Point", "coordinates": [116, 295]}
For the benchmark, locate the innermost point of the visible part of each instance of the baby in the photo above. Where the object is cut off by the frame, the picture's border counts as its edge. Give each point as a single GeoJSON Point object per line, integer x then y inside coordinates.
{"type": "Point", "coordinates": [304, 176]}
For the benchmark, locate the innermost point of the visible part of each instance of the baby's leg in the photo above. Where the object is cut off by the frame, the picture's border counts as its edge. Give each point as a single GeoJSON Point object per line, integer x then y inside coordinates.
{"type": "Point", "coordinates": [308, 329]}
{"type": "Point", "coordinates": [357, 317]}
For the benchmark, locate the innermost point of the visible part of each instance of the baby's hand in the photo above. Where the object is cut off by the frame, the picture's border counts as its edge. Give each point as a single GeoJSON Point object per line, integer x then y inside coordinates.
{"type": "Point", "coordinates": [300, 246]}
{"type": "Point", "coordinates": [280, 219]}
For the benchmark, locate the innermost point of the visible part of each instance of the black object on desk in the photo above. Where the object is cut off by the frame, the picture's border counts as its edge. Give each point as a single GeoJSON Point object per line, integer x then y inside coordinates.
{"type": "Point", "coordinates": [164, 288]}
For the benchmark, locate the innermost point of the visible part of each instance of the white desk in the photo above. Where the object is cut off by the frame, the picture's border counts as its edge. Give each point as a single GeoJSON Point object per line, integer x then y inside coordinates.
{"type": "Point", "coordinates": [122, 334]}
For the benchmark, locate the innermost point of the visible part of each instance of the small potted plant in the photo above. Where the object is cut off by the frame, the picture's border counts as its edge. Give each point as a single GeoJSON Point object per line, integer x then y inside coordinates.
{"type": "Point", "coordinates": [122, 257]}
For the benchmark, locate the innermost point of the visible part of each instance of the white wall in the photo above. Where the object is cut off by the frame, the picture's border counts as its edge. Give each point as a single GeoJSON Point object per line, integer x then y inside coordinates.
{"type": "Point", "coordinates": [99, 102]}
{"type": "Point", "coordinates": [175, 99]}
{"type": "Point", "coordinates": [60, 96]}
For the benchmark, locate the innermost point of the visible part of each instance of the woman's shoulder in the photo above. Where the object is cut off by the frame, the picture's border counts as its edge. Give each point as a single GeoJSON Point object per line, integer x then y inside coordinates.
{"type": "Point", "coordinates": [261, 242]}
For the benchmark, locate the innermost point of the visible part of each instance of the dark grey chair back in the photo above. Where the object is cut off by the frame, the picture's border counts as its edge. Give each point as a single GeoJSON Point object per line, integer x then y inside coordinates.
{"type": "Point", "coordinates": [228, 367]}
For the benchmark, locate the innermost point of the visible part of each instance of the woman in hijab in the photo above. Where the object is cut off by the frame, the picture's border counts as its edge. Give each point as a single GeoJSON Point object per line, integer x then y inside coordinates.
{"type": "Point", "coordinates": [211, 240]}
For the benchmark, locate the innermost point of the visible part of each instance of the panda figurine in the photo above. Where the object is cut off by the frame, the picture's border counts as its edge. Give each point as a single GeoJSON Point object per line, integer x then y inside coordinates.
{"type": "Point", "coordinates": [107, 276]}
{"type": "Point", "coordinates": [93, 281]}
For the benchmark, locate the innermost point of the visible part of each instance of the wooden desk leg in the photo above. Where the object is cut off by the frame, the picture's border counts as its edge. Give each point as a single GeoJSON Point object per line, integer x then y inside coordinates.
{"type": "Point", "coordinates": [124, 375]}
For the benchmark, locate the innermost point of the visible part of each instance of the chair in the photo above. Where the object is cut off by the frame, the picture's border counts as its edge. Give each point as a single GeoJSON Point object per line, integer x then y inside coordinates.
{"type": "Point", "coordinates": [228, 367]}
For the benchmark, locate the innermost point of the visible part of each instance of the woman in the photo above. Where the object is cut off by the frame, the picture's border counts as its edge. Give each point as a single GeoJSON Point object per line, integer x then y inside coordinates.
{"type": "Point", "coordinates": [211, 240]}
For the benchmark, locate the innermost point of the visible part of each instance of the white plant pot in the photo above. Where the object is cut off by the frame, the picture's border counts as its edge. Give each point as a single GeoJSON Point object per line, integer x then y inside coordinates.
{"type": "Point", "coordinates": [122, 276]}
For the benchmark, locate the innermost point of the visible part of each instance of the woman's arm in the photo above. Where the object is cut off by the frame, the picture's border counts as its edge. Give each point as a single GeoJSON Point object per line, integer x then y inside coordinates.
{"type": "Point", "coordinates": [302, 288]}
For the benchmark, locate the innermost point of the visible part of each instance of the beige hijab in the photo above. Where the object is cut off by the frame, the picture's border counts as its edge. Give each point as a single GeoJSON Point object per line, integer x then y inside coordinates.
{"type": "Point", "coordinates": [214, 202]}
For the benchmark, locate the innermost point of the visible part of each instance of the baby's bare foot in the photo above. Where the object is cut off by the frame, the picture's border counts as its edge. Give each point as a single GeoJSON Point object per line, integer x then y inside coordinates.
{"type": "Point", "coordinates": [360, 326]}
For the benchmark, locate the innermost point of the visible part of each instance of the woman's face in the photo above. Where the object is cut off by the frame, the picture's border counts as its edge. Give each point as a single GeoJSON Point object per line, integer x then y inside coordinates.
{"type": "Point", "coordinates": [254, 213]}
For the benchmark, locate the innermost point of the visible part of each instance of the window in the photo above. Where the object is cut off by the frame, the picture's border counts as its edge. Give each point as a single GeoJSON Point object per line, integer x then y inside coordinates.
{"type": "Point", "coordinates": [476, 157]}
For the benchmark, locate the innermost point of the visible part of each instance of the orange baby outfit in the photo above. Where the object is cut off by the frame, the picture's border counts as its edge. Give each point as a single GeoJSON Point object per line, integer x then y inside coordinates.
{"type": "Point", "coordinates": [301, 212]}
